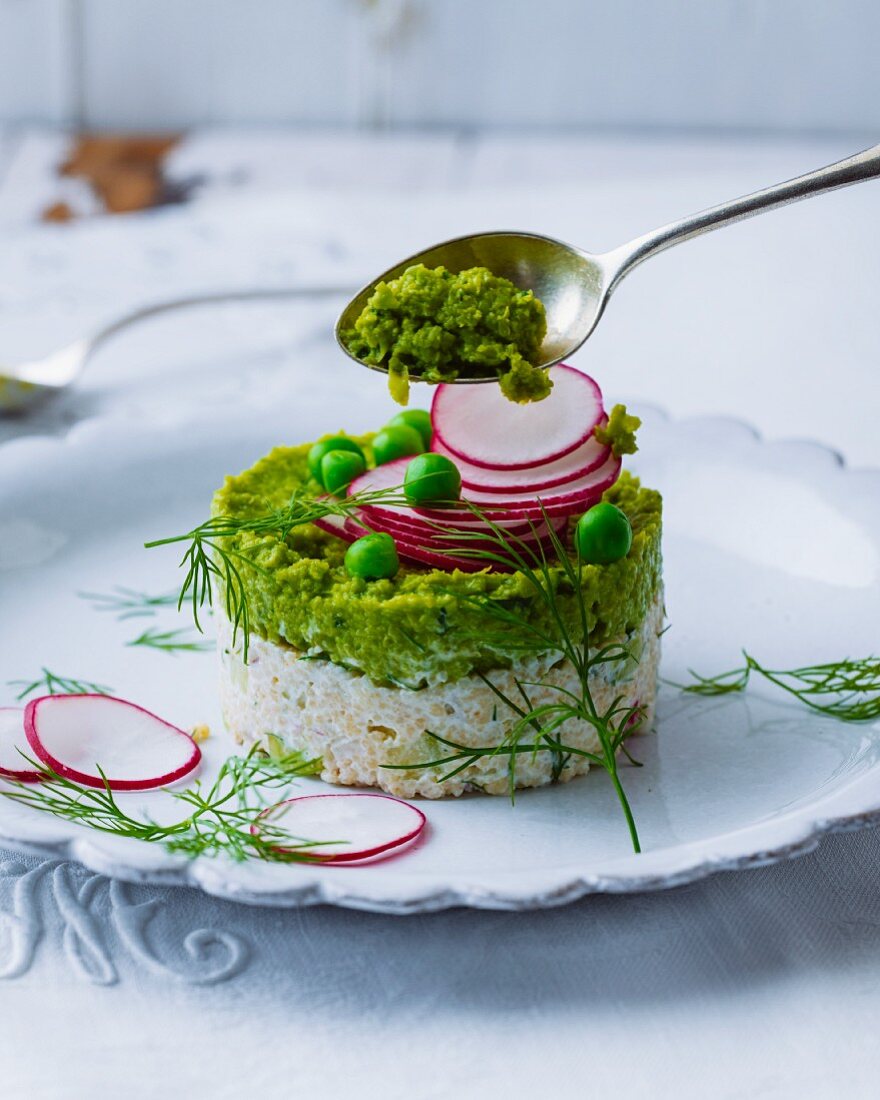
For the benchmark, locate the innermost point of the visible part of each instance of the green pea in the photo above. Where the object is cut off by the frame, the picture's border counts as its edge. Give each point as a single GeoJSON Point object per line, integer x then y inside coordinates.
{"type": "Point", "coordinates": [324, 446]}
{"type": "Point", "coordinates": [339, 469]}
{"type": "Point", "coordinates": [415, 418]}
{"type": "Point", "coordinates": [372, 557]}
{"type": "Point", "coordinates": [603, 534]}
{"type": "Point", "coordinates": [396, 442]}
{"type": "Point", "coordinates": [431, 479]}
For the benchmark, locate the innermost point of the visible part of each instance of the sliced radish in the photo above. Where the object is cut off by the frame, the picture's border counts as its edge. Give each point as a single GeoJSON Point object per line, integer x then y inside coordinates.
{"type": "Point", "coordinates": [560, 501]}
{"type": "Point", "coordinates": [434, 535]}
{"type": "Point", "coordinates": [12, 739]}
{"type": "Point", "coordinates": [479, 424]}
{"type": "Point", "coordinates": [333, 525]}
{"type": "Point", "coordinates": [418, 525]}
{"type": "Point", "coordinates": [76, 735]}
{"type": "Point", "coordinates": [366, 826]}
{"type": "Point", "coordinates": [441, 556]}
{"type": "Point", "coordinates": [588, 457]}
{"type": "Point", "coordinates": [512, 510]}
{"type": "Point", "coordinates": [390, 476]}
{"type": "Point", "coordinates": [415, 549]}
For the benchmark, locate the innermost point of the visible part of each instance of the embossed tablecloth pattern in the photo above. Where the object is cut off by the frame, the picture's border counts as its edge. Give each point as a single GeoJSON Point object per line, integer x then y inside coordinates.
{"type": "Point", "coordinates": [763, 983]}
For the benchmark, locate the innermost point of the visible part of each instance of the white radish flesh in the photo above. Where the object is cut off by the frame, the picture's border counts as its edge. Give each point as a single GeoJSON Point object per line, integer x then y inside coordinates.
{"type": "Point", "coordinates": [12, 739]}
{"type": "Point", "coordinates": [76, 735]}
{"type": "Point", "coordinates": [333, 525]}
{"type": "Point", "coordinates": [588, 457]}
{"type": "Point", "coordinates": [367, 826]}
{"type": "Point", "coordinates": [479, 424]}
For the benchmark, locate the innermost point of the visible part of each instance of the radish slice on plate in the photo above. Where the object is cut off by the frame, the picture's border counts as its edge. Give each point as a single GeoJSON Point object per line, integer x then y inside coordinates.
{"type": "Point", "coordinates": [75, 735]}
{"type": "Point", "coordinates": [578, 463]}
{"type": "Point", "coordinates": [479, 424]}
{"type": "Point", "coordinates": [12, 738]}
{"type": "Point", "coordinates": [367, 826]}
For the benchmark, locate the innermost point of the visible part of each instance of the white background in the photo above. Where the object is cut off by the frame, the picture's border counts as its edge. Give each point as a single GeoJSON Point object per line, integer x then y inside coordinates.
{"type": "Point", "coordinates": [709, 64]}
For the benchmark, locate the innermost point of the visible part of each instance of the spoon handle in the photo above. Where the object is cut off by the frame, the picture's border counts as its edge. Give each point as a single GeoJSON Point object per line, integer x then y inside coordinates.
{"type": "Point", "coordinates": [862, 166]}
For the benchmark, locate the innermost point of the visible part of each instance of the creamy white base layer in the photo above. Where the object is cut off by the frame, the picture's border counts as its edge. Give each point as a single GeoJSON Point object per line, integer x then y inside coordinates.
{"type": "Point", "coordinates": [324, 710]}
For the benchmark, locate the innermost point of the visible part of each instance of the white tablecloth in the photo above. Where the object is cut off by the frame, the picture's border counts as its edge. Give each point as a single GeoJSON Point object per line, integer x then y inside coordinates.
{"type": "Point", "coordinates": [762, 983]}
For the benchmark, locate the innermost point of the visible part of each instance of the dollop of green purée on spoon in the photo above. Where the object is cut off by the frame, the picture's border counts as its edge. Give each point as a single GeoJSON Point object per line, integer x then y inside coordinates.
{"type": "Point", "coordinates": [432, 325]}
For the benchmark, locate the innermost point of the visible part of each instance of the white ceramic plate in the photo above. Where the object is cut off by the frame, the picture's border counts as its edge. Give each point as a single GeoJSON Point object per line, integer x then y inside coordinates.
{"type": "Point", "coordinates": [775, 547]}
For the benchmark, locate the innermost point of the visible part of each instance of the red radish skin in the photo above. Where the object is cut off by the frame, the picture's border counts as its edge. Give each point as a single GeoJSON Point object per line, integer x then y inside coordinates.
{"type": "Point", "coordinates": [479, 424]}
{"type": "Point", "coordinates": [459, 519]}
{"type": "Point", "coordinates": [433, 535]}
{"type": "Point", "coordinates": [390, 476]}
{"type": "Point", "coordinates": [431, 528]}
{"type": "Point", "coordinates": [80, 727]}
{"type": "Point", "coordinates": [588, 457]}
{"type": "Point", "coordinates": [430, 533]}
{"type": "Point", "coordinates": [433, 554]}
{"type": "Point", "coordinates": [333, 525]}
{"type": "Point", "coordinates": [563, 500]}
{"type": "Point", "coordinates": [12, 738]}
{"type": "Point", "coordinates": [418, 552]}
{"type": "Point", "coordinates": [510, 510]}
{"type": "Point", "coordinates": [386, 825]}
{"type": "Point", "coordinates": [443, 545]}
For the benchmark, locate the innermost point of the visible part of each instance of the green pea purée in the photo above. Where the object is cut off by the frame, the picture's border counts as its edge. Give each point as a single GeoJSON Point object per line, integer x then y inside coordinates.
{"type": "Point", "coordinates": [417, 627]}
{"type": "Point", "coordinates": [433, 326]}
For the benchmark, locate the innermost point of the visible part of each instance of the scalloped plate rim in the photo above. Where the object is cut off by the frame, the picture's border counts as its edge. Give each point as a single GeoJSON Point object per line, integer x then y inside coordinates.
{"type": "Point", "coordinates": [793, 834]}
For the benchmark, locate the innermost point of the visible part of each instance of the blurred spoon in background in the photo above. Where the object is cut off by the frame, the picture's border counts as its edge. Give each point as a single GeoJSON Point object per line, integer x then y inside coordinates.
{"type": "Point", "coordinates": [25, 384]}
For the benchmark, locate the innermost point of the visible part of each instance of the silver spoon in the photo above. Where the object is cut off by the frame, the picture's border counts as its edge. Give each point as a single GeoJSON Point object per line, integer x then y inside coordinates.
{"type": "Point", "coordinates": [26, 383]}
{"type": "Point", "coordinates": [575, 285]}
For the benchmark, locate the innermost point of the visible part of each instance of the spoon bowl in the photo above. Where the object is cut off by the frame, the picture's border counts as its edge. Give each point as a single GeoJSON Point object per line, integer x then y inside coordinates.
{"type": "Point", "coordinates": [575, 285]}
{"type": "Point", "coordinates": [569, 282]}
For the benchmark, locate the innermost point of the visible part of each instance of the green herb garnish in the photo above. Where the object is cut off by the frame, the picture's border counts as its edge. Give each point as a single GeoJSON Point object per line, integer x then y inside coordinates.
{"type": "Point", "coordinates": [52, 684]}
{"type": "Point", "coordinates": [847, 689]}
{"type": "Point", "coordinates": [170, 641]}
{"type": "Point", "coordinates": [126, 603]}
{"type": "Point", "coordinates": [207, 560]}
{"type": "Point", "coordinates": [220, 814]}
{"type": "Point", "coordinates": [536, 728]}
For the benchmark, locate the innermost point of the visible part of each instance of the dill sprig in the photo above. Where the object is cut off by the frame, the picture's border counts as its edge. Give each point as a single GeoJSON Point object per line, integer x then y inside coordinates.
{"type": "Point", "coordinates": [207, 560]}
{"type": "Point", "coordinates": [220, 813]}
{"type": "Point", "coordinates": [49, 683]}
{"type": "Point", "coordinates": [170, 641]}
{"type": "Point", "coordinates": [541, 723]}
{"type": "Point", "coordinates": [847, 689]}
{"type": "Point", "coordinates": [127, 603]}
